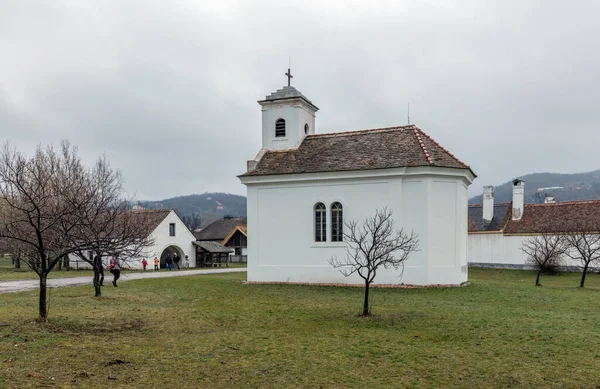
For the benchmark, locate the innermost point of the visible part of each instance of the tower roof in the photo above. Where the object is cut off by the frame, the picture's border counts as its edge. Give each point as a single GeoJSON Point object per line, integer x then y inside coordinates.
{"type": "Point", "coordinates": [285, 93]}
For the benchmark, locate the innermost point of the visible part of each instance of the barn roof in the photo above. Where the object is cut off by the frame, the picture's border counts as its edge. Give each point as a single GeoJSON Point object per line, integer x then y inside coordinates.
{"type": "Point", "coordinates": [572, 216]}
{"type": "Point", "coordinates": [382, 148]}
{"type": "Point", "coordinates": [218, 230]}
{"type": "Point", "coordinates": [499, 219]}
{"type": "Point", "coordinates": [212, 247]}
{"type": "Point", "coordinates": [240, 228]}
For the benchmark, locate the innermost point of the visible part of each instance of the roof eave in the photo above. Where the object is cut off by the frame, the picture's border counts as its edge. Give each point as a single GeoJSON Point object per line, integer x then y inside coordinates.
{"type": "Point", "coordinates": [268, 101]}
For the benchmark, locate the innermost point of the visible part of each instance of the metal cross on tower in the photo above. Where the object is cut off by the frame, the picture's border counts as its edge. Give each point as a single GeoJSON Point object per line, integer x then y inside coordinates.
{"type": "Point", "coordinates": [289, 76]}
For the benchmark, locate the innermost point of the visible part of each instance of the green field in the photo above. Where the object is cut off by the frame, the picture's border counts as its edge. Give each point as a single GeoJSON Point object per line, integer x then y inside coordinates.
{"type": "Point", "coordinates": [9, 273]}
{"type": "Point", "coordinates": [213, 331]}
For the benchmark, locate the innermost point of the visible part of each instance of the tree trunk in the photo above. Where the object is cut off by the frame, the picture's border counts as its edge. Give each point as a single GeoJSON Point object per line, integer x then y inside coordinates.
{"type": "Point", "coordinates": [67, 263]}
{"type": "Point", "coordinates": [43, 305]}
{"type": "Point", "coordinates": [585, 268]}
{"type": "Point", "coordinates": [537, 280]}
{"type": "Point", "coordinates": [366, 303]}
{"type": "Point", "coordinates": [18, 262]}
{"type": "Point", "coordinates": [97, 288]}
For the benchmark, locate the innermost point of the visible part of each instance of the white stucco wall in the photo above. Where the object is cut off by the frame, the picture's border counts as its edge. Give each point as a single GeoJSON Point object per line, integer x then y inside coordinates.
{"type": "Point", "coordinates": [295, 113]}
{"type": "Point", "coordinates": [498, 250]}
{"type": "Point", "coordinates": [430, 201]}
{"type": "Point", "coordinates": [182, 240]}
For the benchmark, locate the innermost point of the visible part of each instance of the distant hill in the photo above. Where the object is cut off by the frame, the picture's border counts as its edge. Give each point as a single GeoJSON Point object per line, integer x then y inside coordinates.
{"type": "Point", "coordinates": [578, 186]}
{"type": "Point", "coordinates": [202, 208]}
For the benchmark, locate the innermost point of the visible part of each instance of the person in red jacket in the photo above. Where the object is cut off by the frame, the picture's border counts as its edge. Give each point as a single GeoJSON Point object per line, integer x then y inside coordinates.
{"type": "Point", "coordinates": [144, 263]}
{"type": "Point", "coordinates": [115, 269]}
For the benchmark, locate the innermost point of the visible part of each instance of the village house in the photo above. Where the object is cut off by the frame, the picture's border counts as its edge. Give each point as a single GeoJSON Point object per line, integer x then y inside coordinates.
{"type": "Point", "coordinates": [228, 235]}
{"type": "Point", "coordinates": [497, 231]}
{"type": "Point", "coordinates": [302, 187]}
{"type": "Point", "coordinates": [169, 235]}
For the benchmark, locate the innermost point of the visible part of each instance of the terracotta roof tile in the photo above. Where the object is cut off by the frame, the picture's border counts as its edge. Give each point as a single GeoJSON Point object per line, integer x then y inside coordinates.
{"type": "Point", "coordinates": [558, 217]}
{"type": "Point", "coordinates": [382, 148]}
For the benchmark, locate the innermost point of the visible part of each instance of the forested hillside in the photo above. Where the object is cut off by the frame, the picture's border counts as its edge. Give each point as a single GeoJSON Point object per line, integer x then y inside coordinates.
{"type": "Point", "coordinates": [578, 186]}
{"type": "Point", "coordinates": [199, 210]}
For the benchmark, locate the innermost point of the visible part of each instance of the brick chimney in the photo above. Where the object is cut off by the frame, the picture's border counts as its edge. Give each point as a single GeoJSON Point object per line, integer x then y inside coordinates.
{"type": "Point", "coordinates": [518, 201]}
{"type": "Point", "coordinates": [488, 204]}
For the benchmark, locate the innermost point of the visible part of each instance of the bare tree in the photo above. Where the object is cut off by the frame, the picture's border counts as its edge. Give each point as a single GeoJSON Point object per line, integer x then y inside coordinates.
{"type": "Point", "coordinates": [544, 252]}
{"type": "Point", "coordinates": [540, 197]}
{"type": "Point", "coordinates": [374, 243]}
{"type": "Point", "coordinates": [115, 231]}
{"type": "Point", "coordinates": [49, 202]}
{"type": "Point", "coordinates": [584, 246]}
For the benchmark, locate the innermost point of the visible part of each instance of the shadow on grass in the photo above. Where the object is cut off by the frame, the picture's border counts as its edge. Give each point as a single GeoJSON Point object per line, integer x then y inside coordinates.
{"type": "Point", "coordinates": [95, 327]}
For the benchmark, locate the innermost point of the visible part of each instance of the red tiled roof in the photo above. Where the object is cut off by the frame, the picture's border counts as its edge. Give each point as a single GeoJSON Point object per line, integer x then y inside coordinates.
{"type": "Point", "coordinates": [381, 148]}
{"type": "Point", "coordinates": [572, 216]}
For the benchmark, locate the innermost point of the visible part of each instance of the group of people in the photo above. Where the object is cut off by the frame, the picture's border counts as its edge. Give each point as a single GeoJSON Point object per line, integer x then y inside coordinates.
{"type": "Point", "coordinates": [115, 266]}
{"type": "Point", "coordinates": [170, 262]}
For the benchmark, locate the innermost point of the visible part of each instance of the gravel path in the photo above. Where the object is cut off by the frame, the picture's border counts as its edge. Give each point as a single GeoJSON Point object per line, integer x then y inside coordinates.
{"type": "Point", "coordinates": [22, 285]}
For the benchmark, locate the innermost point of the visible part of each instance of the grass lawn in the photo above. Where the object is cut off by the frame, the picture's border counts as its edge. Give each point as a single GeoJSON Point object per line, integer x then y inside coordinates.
{"type": "Point", "coordinates": [212, 331]}
{"type": "Point", "coordinates": [9, 273]}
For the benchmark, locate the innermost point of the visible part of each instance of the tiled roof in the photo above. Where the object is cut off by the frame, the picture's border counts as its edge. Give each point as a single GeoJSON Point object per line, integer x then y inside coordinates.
{"type": "Point", "coordinates": [383, 148]}
{"type": "Point", "coordinates": [150, 218]}
{"type": "Point", "coordinates": [213, 247]}
{"type": "Point", "coordinates": [218, 230]}
{"type": "Point", "coordinates": [287, 92]}
{"type": "Point", "coordinates": [570, 216]}
{"type": "Point", "coordinates": [501, 215]}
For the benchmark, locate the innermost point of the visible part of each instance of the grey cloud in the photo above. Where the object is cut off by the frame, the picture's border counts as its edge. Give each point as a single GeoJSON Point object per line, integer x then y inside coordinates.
{"type": "Point", "coordinates": [168, 90]}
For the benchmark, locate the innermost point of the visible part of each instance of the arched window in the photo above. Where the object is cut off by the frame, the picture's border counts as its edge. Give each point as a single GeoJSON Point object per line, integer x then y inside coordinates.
{"type": "Point", "coordinates": [320, 223]}
{"type": "Point", "coordinates": [280, 128]}
{"type": "Point", "coordinates": [337, 222]}
{"type": "Point", "coordinates": [306, 128]}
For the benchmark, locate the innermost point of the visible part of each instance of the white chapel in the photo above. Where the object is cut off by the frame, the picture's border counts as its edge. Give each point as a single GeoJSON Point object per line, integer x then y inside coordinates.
{"type": "Point", "coordinates": [302, 187]}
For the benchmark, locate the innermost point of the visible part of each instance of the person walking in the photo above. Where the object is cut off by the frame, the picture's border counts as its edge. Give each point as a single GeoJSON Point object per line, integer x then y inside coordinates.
{"type": "Point", "coordinates": [168, 262]}
{"type": "Point", "coordinates": [187, 262]}
{"type": "Point", "coordinates": [156, 263]}
{"type": "Point", "coordinates": [115, 269]}
{"type": "Point", "coordinates": [100, 269]}
{"type": "Point", "coordinates": [176, 260]}
{"type": "Point", "coordinates": [144, 263]}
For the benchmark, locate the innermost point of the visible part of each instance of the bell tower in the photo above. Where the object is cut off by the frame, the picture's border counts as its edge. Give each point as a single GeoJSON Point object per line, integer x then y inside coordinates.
{"type": "Point", "coordinates": [287, 117]}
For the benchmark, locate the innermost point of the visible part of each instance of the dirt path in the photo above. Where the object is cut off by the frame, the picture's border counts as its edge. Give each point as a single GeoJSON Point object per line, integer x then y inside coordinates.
{"type": "Point", "coordinates": [23, 285]}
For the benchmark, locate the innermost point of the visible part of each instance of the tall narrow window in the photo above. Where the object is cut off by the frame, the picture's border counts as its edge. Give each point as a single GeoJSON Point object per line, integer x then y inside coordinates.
{"type": "Point", "coordinates": [320, 223]}
{"type": "Point", "coordinates": [337, 222]}
{"type": "Point", "coordinates": [280, 128]}
{"type": "Point", "coordinates": [171, 229]}
{"type": "Point", "coordinates": [306, 128]}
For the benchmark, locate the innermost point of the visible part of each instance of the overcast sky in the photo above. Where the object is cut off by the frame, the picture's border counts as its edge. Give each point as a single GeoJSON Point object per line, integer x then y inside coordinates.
{"type": "Point", "coordinates": [168, 89]}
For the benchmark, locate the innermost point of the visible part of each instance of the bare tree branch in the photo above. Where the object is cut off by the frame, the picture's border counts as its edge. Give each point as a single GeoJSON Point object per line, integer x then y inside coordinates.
{"type": "Point", "coordinates": [52, 206]}
{"type": "Point", "coordinates": [545, 252]}
{"type": "Point", "coordinates": [584, 245]}
{"type": "Point", "coordinates": [372, 244]}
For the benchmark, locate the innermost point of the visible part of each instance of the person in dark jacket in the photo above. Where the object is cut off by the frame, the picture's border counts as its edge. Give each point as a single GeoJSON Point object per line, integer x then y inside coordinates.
{"type": "Point", "coordinates": [176, 260]}
{"type": "Point", "coordinates": [168, 262]}
{"type": "Point", "coordinates": [97, 263]}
